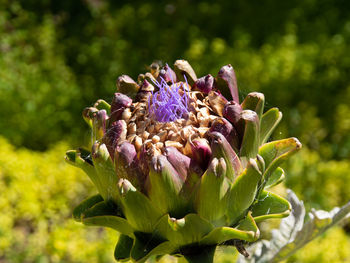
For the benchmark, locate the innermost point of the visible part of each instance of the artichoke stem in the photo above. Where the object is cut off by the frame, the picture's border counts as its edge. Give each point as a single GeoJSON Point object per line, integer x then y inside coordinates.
{"type": "Point", "coordinates": [199, 254]}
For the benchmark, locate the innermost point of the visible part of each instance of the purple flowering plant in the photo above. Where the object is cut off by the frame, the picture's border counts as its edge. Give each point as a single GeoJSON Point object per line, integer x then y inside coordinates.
{"type": "Point", "coordinates": [181, 165]}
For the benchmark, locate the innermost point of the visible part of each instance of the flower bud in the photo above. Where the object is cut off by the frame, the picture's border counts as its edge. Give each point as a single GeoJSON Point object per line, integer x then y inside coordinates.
{"type": "Point", "coordinates": [222, 149]}
{"type": "Point", "coordinates": [250, 141]}
{"type": "Point", "coordinates": [255, 102]}
{"type": "Point", "coordinates": [145, 91]}
{"type": "Point", "coordinates": [227, 130]}
{"type": "Point", "coordinates": [205, 84]}
{"type": "Point", "coordinates": [115, 134]}
{"type": "Point", "coordinates": [119, 103]}
{"type": "Point", "coordinates": [88, 114]}
{"type": "Point", "coordinates": [164, 185]}
{"type": "Point", "coordinates": [213, 194]}
{"type": "Point", "coordinates": [127, 85]}
{"type": "Point", "coordinates": [126, 163]}
{"type": "Point", "coordinates": [226, 82]}
{"type": "Point", "coordinates": [99, 122]}
{"type": "Point", "coordinates": [102, 105]}
{"type": "Point", "coordinates": [217, 102]}
{"type": "Point", "coordinates": [167, 74]}
{"type": "Point", "coordinates": [201, 152]}
{"type": "Point", "coordinates": [154, 68]}
{"type": "Point", "coordinates": [232, 111]}
{"type": "Point", "coordinates": [188, 169]}
{"type": "Point", "coordinates": [183, 68]}
{"type": "Point", "coordinates": [149, 77]}
{"type": "Point", "coordinates": [179, 161]}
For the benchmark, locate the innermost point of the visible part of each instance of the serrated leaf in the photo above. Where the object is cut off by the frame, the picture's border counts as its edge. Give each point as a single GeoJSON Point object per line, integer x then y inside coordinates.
{"type": "Point", "coordinates": [269, 206]}
{"type": "Point", "coordinates": [268, 123]}
{"type": "Point", "coordinates": [293, 233]}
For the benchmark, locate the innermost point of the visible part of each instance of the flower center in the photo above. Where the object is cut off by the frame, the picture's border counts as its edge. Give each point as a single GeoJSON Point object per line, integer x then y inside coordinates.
{"type": "Point", "coordinates": [169, 103]}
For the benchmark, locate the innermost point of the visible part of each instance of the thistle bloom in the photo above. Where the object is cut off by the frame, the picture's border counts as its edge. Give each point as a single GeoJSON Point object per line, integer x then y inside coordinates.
{"type": "Point", "coordinates": [181, 166]}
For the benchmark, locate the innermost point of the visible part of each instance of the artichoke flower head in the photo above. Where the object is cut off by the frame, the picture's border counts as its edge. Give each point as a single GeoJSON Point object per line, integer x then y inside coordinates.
{"type": "Point", "coordinates": [181, 166]}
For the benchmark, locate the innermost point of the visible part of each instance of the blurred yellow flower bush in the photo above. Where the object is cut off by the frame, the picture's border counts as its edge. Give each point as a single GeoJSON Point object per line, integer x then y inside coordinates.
{"type": "Point", "coordinates": [38, 192]}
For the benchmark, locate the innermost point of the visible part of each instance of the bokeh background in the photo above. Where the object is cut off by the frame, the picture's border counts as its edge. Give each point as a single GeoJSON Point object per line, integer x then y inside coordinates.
{"type": "Point", "coordinates": [57, 57]}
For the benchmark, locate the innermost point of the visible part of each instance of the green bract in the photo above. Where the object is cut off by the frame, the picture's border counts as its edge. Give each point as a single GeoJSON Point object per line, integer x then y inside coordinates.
{"type": "Point", "coordinates": [183, 186]}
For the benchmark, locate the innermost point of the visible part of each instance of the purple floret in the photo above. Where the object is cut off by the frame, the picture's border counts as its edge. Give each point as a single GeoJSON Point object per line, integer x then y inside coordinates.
{"type": "Point", "coordinates": [167, 104]}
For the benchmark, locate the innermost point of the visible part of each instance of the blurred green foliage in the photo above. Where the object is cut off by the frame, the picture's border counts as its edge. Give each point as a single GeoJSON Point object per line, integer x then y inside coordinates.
{"type": "Point", "coordinates": [56, 57]}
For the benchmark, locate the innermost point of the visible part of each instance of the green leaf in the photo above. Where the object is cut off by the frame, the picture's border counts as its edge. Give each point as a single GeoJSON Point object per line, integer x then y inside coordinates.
{"type": "Point", "coordinates": [147, 245]}
{"type": "Point", "coordinates": [106, 172]}
{"type": "Point", "coordinates": [123, 248]}
{"type": "Point", "coordinates": [250, 142]}
{"type": "Point", "coordinates": [212, 196]}
{"type": "Point", "coordinates": [222, 149]}
{"type": "Point", "coordinates": [249, 224]}
{"type": "Point", "coordinates": [274, 153]}
{"type": "Point", "coordinates": [274, 150]}
{"type": "Point", "coordinates": [115, 222]}
{"type": "Point", "coordinates": [255, 102]}
{"type": "Point", "coordinates": [163, 187]}
{"type": "Point", "coordinates": [81, 158]}
{"type": "Point", "coordinates": [187, 230]}
{"type": "Point", "coordinates": [268, 123]}
{"type": "Point", "coordinates": [103, 105]}
{"type": "Point", "coordinates": [222, 234]}
{"type": "Point", "coordinates": [270, 205]}
{"type": "Point", "coordinates": [276, 177]}
{"type": "Point", "coordinates": [200, 254]}
{"type": "Point", "coordinates": [243, 192]}
{"type": "Point", "coordinates": [85, 205]}
{"type": "Point", "coordinates": [137, 208]}
{"type": "Point", "coordinates": [104, 214]}
{"type": "Point", "coordinates": [246, 230]}
{"type": "Point", "coordinates": [102, 208]}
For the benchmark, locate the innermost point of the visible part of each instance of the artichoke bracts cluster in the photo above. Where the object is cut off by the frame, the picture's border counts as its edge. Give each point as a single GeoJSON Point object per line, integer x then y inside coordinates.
{"type": "Point", "coordinates": [180, 165]}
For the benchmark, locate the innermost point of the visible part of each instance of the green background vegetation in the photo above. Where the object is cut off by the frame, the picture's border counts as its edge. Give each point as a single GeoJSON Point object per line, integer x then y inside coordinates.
{"type": "Point", "coordinates": [56, 57]}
